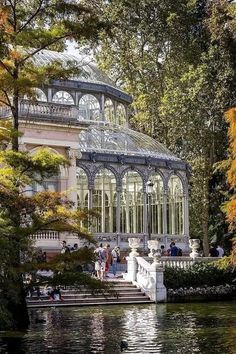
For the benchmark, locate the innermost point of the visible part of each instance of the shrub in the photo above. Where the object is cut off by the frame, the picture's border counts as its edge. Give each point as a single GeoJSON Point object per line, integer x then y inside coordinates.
{"type": "Point", "coordinates": [200, 274]}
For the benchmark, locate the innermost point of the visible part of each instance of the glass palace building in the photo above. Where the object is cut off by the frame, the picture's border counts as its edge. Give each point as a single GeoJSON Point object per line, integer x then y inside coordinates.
{"type": "Point", "coordinates": [86, 119]}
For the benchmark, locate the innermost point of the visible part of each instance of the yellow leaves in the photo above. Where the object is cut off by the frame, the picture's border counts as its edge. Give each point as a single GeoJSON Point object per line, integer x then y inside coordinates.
{"type": "Point", "coordinates": [15, 55]}
{"type": "Point", "coordinates": [230, 208]}
{"type": "Point", "coordinates": [3, 17]}
{"type": "Point", "coordinates": [231, 174]}
{"type": "Point", "coordinates": [46, 157]}
{"type": "Point", "coordinates": [230, 117]}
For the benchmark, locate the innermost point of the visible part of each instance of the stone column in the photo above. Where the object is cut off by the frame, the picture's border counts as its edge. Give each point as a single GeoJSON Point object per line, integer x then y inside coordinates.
{"type": "Point", "coordinates": [72, 154]}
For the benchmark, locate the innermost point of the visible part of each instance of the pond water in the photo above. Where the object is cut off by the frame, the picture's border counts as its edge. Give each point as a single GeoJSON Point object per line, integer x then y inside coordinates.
{"type": "Point", "coordinates": [163, 328]}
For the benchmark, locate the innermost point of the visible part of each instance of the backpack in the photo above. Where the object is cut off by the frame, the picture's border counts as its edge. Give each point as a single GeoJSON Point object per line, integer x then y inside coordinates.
{"type": "Point", "coordinates": [179, 252]}
{"type": "Point", "coordinates": [117, 257]}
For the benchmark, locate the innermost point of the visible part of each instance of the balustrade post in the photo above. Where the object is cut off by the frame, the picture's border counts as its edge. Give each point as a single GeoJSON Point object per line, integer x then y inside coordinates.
{"type": "Point", "coordinates": [159, 293]}
{"type": "Point", "coordinates": [132, 265]}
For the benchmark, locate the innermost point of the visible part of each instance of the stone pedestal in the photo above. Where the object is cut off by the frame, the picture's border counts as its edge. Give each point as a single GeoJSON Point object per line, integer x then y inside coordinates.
{"type": "Point", "coordinates": [132, 268]}
{"type": "Point", "coordinates": [159, 292]}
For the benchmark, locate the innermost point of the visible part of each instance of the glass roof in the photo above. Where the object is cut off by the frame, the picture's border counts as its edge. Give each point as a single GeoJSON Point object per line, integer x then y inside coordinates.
{"type": "Point", "coordinates": [121, 140]}
{"type": "Point", "coordinates": [89, 71]}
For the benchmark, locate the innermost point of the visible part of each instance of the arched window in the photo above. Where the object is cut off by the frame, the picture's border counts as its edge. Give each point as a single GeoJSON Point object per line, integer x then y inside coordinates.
{"type": "Point", "coordinates": [63, 97]}
{"type": "Point", "coordinates": [157, 204]}
{"type": "Point", "coordinates": [120, 114]}
{"type": "Point", "coordinates": [104, 201]}
{"type": "Point", "coordinates": [82, 188]}
{"type": "Point", "coordinates": [40, 95]}
{"type": "Point", "coordinates": [109, 111]}
{"type": "Point", "coordinates": [131, 218]}
{"type": "Point", "coordinates": [89, 108]}
{"type": "Point", "coordinates": [175, 206]}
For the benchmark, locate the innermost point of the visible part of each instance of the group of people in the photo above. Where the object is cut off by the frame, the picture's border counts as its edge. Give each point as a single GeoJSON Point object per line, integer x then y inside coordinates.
{"type": "Point", "coordinates": [68, 248]}
{"type": "Point", "coordinates": [173, 250]}
{"type": "Point", "coordinates": [216, 251]}
{"type": "Point", "coordinates": [106, 259]}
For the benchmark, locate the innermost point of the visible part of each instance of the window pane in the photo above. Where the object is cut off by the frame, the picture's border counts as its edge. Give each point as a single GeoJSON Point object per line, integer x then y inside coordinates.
{"type": "Point", "coordinates": [89, 108]}
{"type": "Point", "coordinates": [104, 200]}
{"type": "Point", "coordinates": [63, 97]}
{"type": "Point", "coordinates": [132, 197]}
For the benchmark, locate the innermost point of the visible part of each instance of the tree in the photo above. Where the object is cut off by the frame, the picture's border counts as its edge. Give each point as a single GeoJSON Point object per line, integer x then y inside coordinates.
{"type": "Point", "coordinates": [27, 27]}
{"type": "Point", "coordinates": [166, 54]}
{"type": "Point", "coordinates": [229, 207]}
{"type": "Point", "coordinates": [22, 215]}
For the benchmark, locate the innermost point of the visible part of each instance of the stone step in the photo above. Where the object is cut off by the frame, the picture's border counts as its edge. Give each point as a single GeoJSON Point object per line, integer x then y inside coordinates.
{"type": "Point", "coordinates": [137, 292]}
{"type": "Point", "coordinates": [89, 301]}
{"type": "Point", "coordinates": [126, 293]}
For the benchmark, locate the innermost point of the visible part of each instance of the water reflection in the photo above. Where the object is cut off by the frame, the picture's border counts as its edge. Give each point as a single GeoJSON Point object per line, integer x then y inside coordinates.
{"type": "Point", "coordinates": [166, 328]}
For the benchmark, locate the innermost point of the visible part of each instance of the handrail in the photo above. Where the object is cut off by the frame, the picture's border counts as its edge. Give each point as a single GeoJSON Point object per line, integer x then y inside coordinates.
{"type": "Point", "coordinates": [148, 273]}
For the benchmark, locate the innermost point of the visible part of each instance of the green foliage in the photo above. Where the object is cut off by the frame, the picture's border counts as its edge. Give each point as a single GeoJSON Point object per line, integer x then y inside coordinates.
{"type": "Point", "coordinates": [21, 216]}
{"type": "Point", "coordinates": [166, 54]}
{"type": "Point", "coordinates": [27, 27]}
{"type": "Point", "coordinates": [200, 274]}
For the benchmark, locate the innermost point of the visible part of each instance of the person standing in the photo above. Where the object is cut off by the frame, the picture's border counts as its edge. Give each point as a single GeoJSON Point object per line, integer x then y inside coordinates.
{"type": "Point", "coordinates": [163, 252]}
{"type": "Point", "coordinates": [213, 252]}
{"type": "Point", "coordinates": [221, 251]}
{"type": "Point", "coordinates": [173, 250]}
{"type": "Point", "coordinates": [108, 259]}
{"type": "Point", "coordinates": [100, 261]}
{"type": "Point", "coordinates": [115, 258]}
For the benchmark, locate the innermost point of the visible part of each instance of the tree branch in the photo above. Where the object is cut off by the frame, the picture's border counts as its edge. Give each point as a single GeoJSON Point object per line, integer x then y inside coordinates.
{"type": "Point", "coordinates": [5, 67]}
{"type": "Point", "coordinates": [38, 10]}
{"type": "Point", "coordinates": [44, 47]}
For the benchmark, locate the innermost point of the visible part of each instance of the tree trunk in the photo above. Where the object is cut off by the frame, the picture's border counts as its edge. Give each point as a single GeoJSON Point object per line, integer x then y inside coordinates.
{"type": "Point", "coordinates": [15, 112]}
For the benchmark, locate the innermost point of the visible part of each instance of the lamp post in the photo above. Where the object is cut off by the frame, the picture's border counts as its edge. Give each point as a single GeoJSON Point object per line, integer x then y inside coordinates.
{"type": "Point", "coordinates": [149, 191]}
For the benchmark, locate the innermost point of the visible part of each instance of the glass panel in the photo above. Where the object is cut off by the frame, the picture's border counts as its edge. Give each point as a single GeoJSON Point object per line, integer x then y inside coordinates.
{"type": "Point", "coordinates": [109, 111]}
{"type": "Point", "coordinates": [105, 201]}
{"type": "Point", "coordinates": [40, 95]}
{"type": "Point", "coordinates": [131, 218]}
{"type": "Point", "coordinates": [119, 139]}
{"type": "Point", "coordinates": [120, 114]}
{"type": "Point", "coordinates": [89, 108]}
{"type": "Point", "coordinates": [63, 97]}
{"type": "Point", "coordinates": [82, 188]}
{"type": "Point", "coordinates": [157, 204]}
{"type": "Point", "coordinates": [175, 206]}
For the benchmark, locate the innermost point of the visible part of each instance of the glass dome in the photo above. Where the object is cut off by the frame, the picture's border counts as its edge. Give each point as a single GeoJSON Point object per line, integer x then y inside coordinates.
{"type": "Point", "coordinates": [109, 138]}
{"type": "Point", "coordinates": [88, 71]}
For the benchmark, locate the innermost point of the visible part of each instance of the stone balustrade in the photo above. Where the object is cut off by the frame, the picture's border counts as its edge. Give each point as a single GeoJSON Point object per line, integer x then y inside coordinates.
{"type": "Point", "coordinates": [47, 109]}
{"type": "Point", "coordinates": [46, 235]}
{"type": "Point", "coordinates": [184, 262]}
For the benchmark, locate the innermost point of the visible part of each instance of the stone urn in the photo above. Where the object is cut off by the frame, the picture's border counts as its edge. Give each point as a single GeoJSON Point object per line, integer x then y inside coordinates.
{"type": "Point", "coordinates": [153, 246]}
{"type": "Point", "coordinates": [194, 244]}
{"type": "Point", "coordinates": [157, 257]}
{"type": "Point", "coordinates": [134, 244]}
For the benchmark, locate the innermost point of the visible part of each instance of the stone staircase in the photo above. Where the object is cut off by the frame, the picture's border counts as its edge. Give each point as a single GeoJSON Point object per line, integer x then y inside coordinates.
{"type": "Point", "coordinates": [126, 293]}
